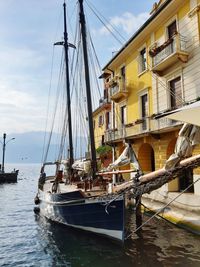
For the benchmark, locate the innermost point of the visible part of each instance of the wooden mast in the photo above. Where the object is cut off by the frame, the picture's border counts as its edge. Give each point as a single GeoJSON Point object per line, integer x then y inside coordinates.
{"type": "Point", "coordinates": [66, 46]}
{"type": "Point", "coordinates": [88, 91]}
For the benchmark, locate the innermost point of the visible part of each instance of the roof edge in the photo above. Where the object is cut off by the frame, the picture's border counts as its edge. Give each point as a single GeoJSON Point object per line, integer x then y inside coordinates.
{"type": "Point", "coordinates": [152, 17]}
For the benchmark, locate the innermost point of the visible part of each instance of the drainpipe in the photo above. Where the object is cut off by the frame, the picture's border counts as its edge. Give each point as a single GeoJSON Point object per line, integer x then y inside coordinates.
{"type": "Point", "coordinates": [113, 159]}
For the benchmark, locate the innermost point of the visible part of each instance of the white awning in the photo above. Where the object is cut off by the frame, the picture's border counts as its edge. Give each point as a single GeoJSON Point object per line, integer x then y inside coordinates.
{"type": "Point", "coordinates": [189, 114]}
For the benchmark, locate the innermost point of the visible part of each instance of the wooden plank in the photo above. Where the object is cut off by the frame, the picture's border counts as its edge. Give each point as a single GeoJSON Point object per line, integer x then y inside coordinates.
{"type": "Point", "coordinates": [115, 172]}
{"type": "Point", "coordinates": [147, 178]}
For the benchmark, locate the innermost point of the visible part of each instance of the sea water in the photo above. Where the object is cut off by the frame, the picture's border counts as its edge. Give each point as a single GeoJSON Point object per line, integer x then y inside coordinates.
{"type": "Point", "coordinates": [26, 239]}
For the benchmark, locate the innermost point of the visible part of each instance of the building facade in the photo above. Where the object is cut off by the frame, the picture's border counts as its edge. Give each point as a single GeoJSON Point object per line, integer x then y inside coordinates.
{"type": "Point", "coordinates": [156, 71]}
{"type": "Point", "coordinates": [102, 123]}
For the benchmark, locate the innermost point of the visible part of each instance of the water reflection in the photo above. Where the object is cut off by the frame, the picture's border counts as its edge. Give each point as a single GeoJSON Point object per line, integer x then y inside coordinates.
{"type": "Point", "coordinates": [76, 248]}
{"type": "Point", "coordinates": [27, 240]}
{"type": "Point", "coordinates": [159, 244]}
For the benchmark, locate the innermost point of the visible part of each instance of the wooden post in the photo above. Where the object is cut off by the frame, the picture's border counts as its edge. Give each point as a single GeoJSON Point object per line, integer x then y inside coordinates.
{"type": "Point", "coordinates": [138, 212]}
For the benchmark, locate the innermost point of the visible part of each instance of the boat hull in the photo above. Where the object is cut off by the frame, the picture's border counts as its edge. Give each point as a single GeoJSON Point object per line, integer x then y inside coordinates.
{"type": "Point", "coordinates": [92, 214]}
{"type": "Point", "coordinates": [8, 177]}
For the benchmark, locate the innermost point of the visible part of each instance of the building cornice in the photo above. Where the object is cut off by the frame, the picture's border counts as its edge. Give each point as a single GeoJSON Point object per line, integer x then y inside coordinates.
{"type": "Point", "coordinates": [153, 16]}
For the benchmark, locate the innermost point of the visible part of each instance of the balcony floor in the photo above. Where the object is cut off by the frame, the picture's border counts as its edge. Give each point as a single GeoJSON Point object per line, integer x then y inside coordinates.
{"type": "Point", "coordinates": [170, 61]}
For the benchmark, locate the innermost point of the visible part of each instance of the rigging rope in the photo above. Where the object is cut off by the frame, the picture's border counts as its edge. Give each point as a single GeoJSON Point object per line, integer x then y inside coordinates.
{"type": "Point", "coordinates": [55, 110]}
{"type": "Point", "coordinates": [47, 112]}
{"type": "Point", "coordinates": [101, 17]}
{"type": "Point", "coordinates": [94, 10]}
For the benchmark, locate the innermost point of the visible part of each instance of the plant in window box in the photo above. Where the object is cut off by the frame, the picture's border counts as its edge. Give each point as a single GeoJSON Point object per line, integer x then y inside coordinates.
{"type": "Point", "coordinates": [138, 121]}
{"type": "Point", "coordinates": [155, 50]}
{"type": "Point", "coordinates": [104, 151]}
{"type": "Point", "coordinates": [129, 124]}
{"type": "Point", "coordinates": [153, 115]}
{"type": "Point", "coordinates": [113, 81]}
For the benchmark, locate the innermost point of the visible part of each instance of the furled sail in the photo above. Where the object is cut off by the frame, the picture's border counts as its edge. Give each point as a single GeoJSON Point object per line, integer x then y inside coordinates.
{"type": "Point", "coordinates": [188, 137]}
{"type": "Point", "coordinates": [180, 160]}
{"type": "Point", "coordinates": [127, 157]}
{"type": "Point", "coordinates": [82, 165]}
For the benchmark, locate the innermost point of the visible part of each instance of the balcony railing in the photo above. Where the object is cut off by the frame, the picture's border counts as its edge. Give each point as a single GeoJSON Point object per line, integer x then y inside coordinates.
{"type": "Point", "coordinates": [169, 52]}
{"type": "Point", "coordinates": [140, 127]}
{"type": "Point", "coordinates": [118, 91]}
{"type": "Point", "coordinates": [104, 100]}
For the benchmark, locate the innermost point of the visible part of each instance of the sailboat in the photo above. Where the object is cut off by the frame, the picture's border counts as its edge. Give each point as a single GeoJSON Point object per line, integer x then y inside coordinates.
{"type": "Point", "coordinates": [79, 197]}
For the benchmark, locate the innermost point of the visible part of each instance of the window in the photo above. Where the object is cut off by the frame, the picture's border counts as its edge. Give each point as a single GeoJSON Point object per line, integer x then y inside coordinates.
{"type": "Point", "coordinates": [100, 120]}
{"type": "Point", "coordinates": [186, 179]}
{"type": "Point", "coordinates": [175, 93]}
{"type": "Point", "coordinates": [105, 94]}
{"type": "Point", "coordinates": [102, 140]}
{"type": "Point", "coordinates": [142, 60]}
{"type": "Point", "coordinates": [171, 31]}
{"type": "Point", "coordinates": [123, 115]}
{"type": "Point", "coordinates": [123, 78]}
{"type": "Point", "coordinates": [144, 110]}
{"type": "Point", "coordinates": [107, 120]}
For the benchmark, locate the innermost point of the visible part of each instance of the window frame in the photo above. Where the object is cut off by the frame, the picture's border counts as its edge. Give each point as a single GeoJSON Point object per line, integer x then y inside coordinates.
{"type": "Point", "coordinates": [100, 120]}
{"type": "Point", "coordinates": [140, 95]}
{"type": "Point", "coordinates": [169, 22]}
{"type": "Point", "coordinates": [169, 79]}
{"type": "Point", "coordinates": [140, 62]}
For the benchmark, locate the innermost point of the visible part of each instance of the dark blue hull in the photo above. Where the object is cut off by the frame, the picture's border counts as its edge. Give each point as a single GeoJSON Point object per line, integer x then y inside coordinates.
{"type": "Point", "coordinates": [8, 177]}
{"type": "Point", "coordinates": [89, 214]}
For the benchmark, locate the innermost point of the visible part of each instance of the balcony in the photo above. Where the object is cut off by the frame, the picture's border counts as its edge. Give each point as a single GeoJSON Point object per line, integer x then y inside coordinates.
{"type": "Point", "coordinates": [164, 56]}
{"type": "Point", "coordinates": [104, 104]}
{"type": "Point", "coordinates": [141, 127]}
{"type": "Point", "coordinates": [118, 91]}
{"type": "Point", "coordinates": [103, 101]}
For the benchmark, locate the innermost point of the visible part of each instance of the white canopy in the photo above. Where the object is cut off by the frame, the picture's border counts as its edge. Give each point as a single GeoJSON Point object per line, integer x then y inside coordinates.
{"type": "Point", "coordinates": [189, 114]}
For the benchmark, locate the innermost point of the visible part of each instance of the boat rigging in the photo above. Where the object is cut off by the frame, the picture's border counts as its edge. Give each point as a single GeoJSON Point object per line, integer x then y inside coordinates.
{"type": "Point", "coordinates": [77, 196]}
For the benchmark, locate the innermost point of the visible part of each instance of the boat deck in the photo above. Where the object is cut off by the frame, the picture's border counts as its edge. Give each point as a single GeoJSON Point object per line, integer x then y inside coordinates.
{"type": "Point", "coordinates": [66, 188]}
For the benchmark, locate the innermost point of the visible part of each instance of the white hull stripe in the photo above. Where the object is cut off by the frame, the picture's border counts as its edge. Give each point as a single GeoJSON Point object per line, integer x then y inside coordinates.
{"type": "Point", "coordinates": [107, 232]}
{"type": "Point", "coordinates": [112, 233]}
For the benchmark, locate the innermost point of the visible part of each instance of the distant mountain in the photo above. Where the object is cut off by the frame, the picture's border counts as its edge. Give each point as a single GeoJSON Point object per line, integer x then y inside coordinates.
{"type": "Point", "coordinates": [28, 147]}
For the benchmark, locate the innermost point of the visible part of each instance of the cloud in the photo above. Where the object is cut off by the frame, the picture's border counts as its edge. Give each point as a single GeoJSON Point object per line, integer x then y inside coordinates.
{"type": "Point", "coordinates": [14, 60]}
{"type": "Point", "coordinates": [128, 22]}
{"type": "Point", "coordinates": [20, 111]}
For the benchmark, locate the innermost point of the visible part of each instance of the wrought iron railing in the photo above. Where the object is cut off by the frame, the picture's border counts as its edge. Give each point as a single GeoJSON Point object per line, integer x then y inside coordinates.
{"type": "Point", "coordinates": [143, 126]}
{"type": "Point", "coordinates": [176, 44]}
{"type": "Point", "coordinates": [104, 100]}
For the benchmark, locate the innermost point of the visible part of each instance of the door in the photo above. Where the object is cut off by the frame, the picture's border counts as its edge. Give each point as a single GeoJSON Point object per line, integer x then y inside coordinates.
{"type": "Point", "coordinates": [175, 93]}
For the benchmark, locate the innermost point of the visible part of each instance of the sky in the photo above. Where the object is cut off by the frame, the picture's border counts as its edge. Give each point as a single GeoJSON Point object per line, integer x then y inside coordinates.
{"type": "Point", "coordinates": [28, 29]}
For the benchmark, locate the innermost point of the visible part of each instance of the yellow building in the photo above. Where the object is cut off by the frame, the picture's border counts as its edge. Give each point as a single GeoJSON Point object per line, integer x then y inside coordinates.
{"type": "Point", "coordinates": [157, 70]}
{"type": "Point", "coordinates": [101, 122]}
